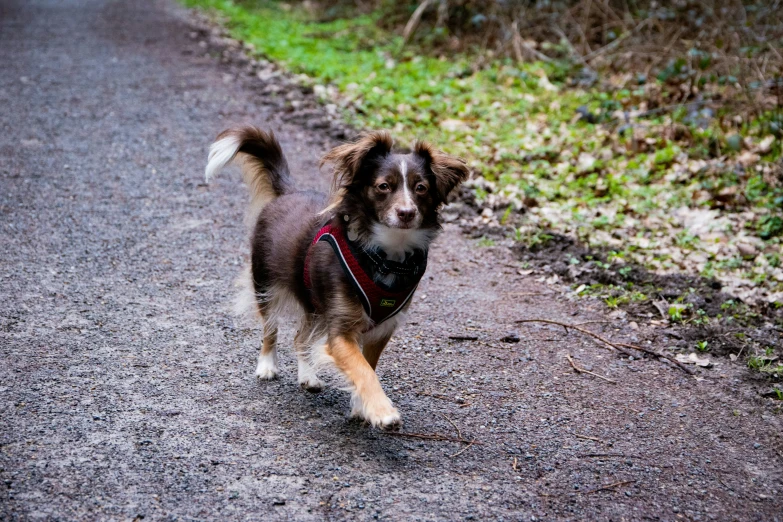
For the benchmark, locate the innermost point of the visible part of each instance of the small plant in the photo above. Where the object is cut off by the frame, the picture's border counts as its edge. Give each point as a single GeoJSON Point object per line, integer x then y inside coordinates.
{"type": "Point", "coordinates": [612, 302]}
{"type": "Point", "coordinates": [685, 239]}
{"type": "Point", "coordinates": [756, 363]}
{"type": "Point", "coordinates": [486, 242]}
{"type": "Point", "coordinates": [701, 318]}
{"type": "Point", "coordinates": [506, 215]}
{"type": "Point", "coordinates": [676, 313]}
{"type": "Point", "coordinates": [766, 363]}
{"type": "Point", "coordinates": [702, 346]}
{"type": "Point", "coordinates": [770, 226]}
{"type": "Point", "coordinates": [539, 238]}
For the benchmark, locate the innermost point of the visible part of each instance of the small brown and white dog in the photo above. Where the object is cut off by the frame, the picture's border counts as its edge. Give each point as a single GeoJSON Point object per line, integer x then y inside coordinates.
{"type": "Point", "coordinates": [347, 264]}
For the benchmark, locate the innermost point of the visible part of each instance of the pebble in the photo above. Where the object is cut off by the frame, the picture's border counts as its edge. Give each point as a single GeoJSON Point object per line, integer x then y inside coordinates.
{"type": "Point", "coordinates": [511, 337]}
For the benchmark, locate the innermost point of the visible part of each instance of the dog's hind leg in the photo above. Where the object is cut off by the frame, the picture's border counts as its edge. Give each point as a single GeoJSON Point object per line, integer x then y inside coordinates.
{"type": "Point", "coordinates": [308, 379]}
{"type": "Point", "coordinates": [267, 360]}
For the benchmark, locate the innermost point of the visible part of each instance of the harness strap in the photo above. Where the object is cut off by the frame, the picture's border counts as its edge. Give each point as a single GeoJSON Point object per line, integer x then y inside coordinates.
{"type": "Point", "coordinates": [378, 304]}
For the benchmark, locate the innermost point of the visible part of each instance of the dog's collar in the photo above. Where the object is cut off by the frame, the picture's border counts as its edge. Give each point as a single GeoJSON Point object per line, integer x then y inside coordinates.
{"type": "Point", "coordinates": [367, 268]}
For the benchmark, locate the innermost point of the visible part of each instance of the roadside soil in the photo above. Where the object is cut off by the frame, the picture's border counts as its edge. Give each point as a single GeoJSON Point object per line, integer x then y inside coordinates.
{"type": "Point", "coordinates": [128, 388]}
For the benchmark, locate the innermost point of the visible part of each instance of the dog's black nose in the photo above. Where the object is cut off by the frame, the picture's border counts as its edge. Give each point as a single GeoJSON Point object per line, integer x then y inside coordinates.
{"type": "Point", "coordinates": [406, 215]}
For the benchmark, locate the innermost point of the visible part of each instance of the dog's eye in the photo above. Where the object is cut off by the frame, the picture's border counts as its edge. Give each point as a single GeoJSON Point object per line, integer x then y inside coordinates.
{"type": "Point", "coordinates": [384, 187]}
{"type": "Point", "coordinates": [421, 188]}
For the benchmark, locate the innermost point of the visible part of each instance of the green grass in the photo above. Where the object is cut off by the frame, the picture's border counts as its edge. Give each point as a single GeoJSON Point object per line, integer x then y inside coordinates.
{"type": "Point", "coordinates": [486, 242]}
{"type": "Point", "coordinates": [518, 125]}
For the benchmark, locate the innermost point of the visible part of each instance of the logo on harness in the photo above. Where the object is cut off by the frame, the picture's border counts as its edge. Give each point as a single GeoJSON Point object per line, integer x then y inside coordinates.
{"type": "Point", "coordinates": [388, 302]}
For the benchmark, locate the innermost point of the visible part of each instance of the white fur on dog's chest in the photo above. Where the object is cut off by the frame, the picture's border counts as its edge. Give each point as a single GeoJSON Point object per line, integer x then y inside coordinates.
{"type": "Point", "coordinates": [398, 242]}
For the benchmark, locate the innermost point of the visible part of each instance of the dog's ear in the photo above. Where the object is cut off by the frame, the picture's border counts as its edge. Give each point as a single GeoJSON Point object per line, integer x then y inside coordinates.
{"type": "Point", "coordinates": [448, 171]}
{"type": "Point", "coordinates": [352, 161]}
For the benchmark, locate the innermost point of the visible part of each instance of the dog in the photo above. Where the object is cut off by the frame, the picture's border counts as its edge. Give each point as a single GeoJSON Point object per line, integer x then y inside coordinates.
{"type": "Point", "coordinates": [346, 264]}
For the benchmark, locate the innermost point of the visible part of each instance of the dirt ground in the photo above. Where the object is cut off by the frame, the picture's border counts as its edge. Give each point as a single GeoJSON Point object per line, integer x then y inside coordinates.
{"type": "Point", "coordinates": [127, 385]}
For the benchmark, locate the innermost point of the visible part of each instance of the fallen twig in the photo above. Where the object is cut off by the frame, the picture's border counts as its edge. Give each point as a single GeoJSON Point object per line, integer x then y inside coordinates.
{"type": "Point", "coordinates": [463, 338]}
{"type": "Point", "coordinates": [578, 436]}
{"type": "Point", "coordinates": [572, 50]}
{"type": "Point", "coordinates": [519, 43]}
{"type": "Point", "coordinates": [609, 486]}
{"type": "Point", "coordinates": [443, 398]}
{"type": "Point", "coordinates": [463, 450]}
{"type": "Point", "coordinates": [429, 436]}
{"type": "Point", "coordinates": [514, 464]}
{"type": "Point", "coordinates": [459, 433]}
{"type": "Point", "coordinates": [582, 370]}
{"type": "Point", "coordinates": [578, 329]}
{"type": "Point", "coordinates": [413, 22]}
{"type": "Point", "coordinates": [659, 355]}
{"type": "Point", "coordinates": [621, 347]}
{"type": "Point", "coordinates": [592, 322]}
{"type": "Point", "coordinates": [616, 43]}
{"type": "Point", "coordinates": [599, 455]}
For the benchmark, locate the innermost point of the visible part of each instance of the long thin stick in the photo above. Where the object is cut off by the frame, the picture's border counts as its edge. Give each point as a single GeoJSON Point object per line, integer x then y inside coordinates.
{"type": "Point", "coordinates": [520, 44]}
{"type": "Point", "coordinates": [578, 329]}
{"type": "Point", "coordinates": [609, 486]}
{"type": "Point", "coordinates": [463, 450]}
{"type": "Point", "coordinates": [459, 433]}
{"type": "Point", "coordinates": [429, 436]}
{"type": "Point", "coordinates": [615, 346]}
{"type": "Point", "coordinates": [578, 436]}
{"type": "Point", "coordinates": [613, 45]}
{"type": "Point", "coordinates": [600, 455]}
{"type": "Point", "coordinates": [658, 354]}
{"type": "Point", "coordinates": [582, 370]}
{"type": "Point", "coordinates": [413, 22]}
{"type": "Point", "coordinates": [443, 398]}
{"type": "Point", "coordinates": [463, 338]}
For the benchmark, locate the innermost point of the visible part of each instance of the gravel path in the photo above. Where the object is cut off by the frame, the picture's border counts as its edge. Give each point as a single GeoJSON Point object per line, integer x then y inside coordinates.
{"type": "Point", "coordinates": [128, 387]}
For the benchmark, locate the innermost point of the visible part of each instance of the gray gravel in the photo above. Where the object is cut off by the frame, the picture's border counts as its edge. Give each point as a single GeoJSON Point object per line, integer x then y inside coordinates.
{"type": "Point", "coordinates": [128, 387]}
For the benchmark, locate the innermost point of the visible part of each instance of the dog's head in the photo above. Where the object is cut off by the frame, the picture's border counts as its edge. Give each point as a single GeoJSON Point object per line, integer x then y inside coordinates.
{"type": "Point", "coordinates": [392, 197]}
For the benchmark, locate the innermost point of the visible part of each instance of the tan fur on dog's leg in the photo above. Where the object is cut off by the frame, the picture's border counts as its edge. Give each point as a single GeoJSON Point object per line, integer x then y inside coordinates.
{"type": "Point", "coordinates": [372, 349]}
{"type": "Point", "coordinates": [267, 359]}
{"type": "Point", "coordinates": [368, 400]}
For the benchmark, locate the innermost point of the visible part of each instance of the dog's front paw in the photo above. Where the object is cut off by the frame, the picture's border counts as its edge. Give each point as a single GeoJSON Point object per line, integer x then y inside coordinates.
{"type": "Point", "coordinates": [378, 412]}
{"type": "Point", "coordinates": [391, 421]}
{"type": "Point", "coordinates": [267, 368]}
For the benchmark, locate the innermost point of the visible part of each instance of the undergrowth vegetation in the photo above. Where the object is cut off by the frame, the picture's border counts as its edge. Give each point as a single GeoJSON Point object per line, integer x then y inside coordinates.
{"type": "Point", "coordinates": [659, 163]}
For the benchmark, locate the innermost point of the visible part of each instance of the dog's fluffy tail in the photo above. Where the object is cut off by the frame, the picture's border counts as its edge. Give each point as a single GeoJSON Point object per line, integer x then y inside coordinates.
{"type": "Point", "coordinates": [264, 167]}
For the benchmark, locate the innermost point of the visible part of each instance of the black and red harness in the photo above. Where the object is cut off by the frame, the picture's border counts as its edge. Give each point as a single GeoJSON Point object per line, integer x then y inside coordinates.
{"type": "Point", "coordinates": [365, 267]}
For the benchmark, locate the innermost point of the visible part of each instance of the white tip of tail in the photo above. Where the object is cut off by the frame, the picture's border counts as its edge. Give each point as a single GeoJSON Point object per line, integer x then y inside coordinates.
{"type": "Point", "coordinates": [220, 154]}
